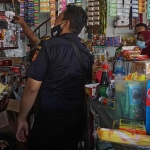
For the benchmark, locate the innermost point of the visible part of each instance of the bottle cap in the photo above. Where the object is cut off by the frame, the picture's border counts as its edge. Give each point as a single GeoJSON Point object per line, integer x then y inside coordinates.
{"type": "Point", "coordinates": [105, 66]}
{"type": "Point", "coordinates": [119, 58]}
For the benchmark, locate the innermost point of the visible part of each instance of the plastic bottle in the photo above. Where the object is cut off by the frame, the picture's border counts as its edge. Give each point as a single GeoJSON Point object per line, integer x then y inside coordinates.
{"type": "Point", "coordinates": [104, 81]}
{"type": "Point", "coordinates": [102, 54]}
{"type": "Point", "coordinates": [105, 52]}
{"type": "Point", "coordinates": [119, 67]}
{"type": "Point", "coordinates": [147, 123]}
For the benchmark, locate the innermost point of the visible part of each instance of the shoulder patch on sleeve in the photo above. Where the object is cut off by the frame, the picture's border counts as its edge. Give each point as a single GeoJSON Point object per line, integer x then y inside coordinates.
{"type": "Point", "coordinates": [39, 47]}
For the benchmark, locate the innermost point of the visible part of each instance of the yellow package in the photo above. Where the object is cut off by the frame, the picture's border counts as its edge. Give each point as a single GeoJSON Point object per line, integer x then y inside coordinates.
{"type": "Point", "coordinates": [2, 87]}
{"type": "Point", "coordinates": [142, 78]}
{"type": "Point", "coordinates": [129, 77]}
{"type": "Point", "coordinates": [137, 127]}
{"type": "Point", "coordinates": [123, 137]}
{"type": "Point", "coordinates": [135, 76]}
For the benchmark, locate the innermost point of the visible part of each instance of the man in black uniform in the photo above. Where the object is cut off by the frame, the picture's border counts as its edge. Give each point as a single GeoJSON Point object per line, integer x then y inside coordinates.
{"type": "Point", "coordinates": [57, 75]}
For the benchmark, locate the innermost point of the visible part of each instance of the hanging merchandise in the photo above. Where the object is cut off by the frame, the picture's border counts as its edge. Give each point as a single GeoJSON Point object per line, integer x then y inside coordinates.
{"type": "Point", "coordinates": [36, 13]}
{"type": "Point", "coordinates": [20, 52]}
{"type": "Point", "coordinates": [103, 16]}
{"type": "Point", "coordinates": [21, 9]}
{"type": "Point", "coordinates": [97, 17]}
{"type": "Point", "coordinates": [78, 3]}
{"type": "Point", "coordinates": [52, 12]}
{"type": "Point", "coordinates": [123, 9]}
{"type": "Point", "coordinates": [119, 7]}
{"type": "Point", "coordinates": [112, 8]}
{"type": "Point", "coordinates": [29, 12]}
{"type": "Point", "coordinates": [148, 9]}
{"type": "Point", "coordinates": [61, 5]}
{"type": "Point", "coordinates": [135, 9]}
{"type": "Point", "coordinates": [142, 6]}
{"type": "Point", "coordinates": [44, 6]}
{"type": "Point", "coordinates": [8, 30]}
{"type": "Point", "coordinates": [70, 2]}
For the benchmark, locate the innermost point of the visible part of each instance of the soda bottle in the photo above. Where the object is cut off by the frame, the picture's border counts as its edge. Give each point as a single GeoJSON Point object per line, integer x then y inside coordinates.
{"type": "Point", "coordinates": [104, 83]}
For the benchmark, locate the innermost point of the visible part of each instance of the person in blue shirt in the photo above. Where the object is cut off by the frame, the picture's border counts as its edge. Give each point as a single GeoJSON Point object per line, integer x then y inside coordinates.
{"type": "Point", "coordinates": [57, 77]}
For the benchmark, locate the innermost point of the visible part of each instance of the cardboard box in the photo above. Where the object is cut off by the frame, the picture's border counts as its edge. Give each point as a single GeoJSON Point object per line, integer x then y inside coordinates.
{"type": "Point", "coordinates": [90, 89]}
{"type": "Point", "coordinates": [13, 106]}
{"type": "Point", "coordinates": [6, 62]}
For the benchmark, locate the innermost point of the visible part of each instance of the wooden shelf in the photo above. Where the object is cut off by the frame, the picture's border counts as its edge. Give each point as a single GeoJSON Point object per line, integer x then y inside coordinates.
{"type": "Point", "coordinates": [6, 48]}
{"type": "Point", "coordinates": [123, 26]}
{"type": "Point", "coordinates": [8, 1]}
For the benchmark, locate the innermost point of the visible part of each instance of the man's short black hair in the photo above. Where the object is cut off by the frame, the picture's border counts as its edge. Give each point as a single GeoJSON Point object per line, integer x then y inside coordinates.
{"type": "Point", "coordinates": [77, 18]}
{"type": "Point", "coordinates": [142, 25]}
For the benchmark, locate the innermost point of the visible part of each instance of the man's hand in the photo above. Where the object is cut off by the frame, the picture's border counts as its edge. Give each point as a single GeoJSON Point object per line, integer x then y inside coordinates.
{"type": "Point", "coordinates": [27, 31]}
{"type": "Point", "coordinates": [22, 130]}
{"type": "Point", "coordinates": [18, 19]}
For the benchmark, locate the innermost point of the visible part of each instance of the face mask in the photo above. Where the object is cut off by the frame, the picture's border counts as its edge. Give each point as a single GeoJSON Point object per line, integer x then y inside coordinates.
{"type": "Point", "coordinates": [55, 32]}
{"type": "Point", "coordinates": [141, 44]}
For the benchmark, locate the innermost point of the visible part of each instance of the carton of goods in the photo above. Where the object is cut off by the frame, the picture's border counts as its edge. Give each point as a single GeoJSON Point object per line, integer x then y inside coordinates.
{"type": "Point", "coordinates": [90, 89]}
{"type": "Point", "coordinates": [133, 53]}
{"type": "Point", "coordinates": [123, 137]}
{"type": "Point", "coordinates": [137, 127]}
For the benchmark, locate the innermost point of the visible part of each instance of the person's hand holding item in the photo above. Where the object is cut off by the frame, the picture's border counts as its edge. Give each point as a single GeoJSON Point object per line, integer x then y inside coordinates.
{"type": "Point", "coordinates": [22, 130]}
{"type": "Point", "coordinates": [19, 19]}
{"type": "Point", "coordinates": [27, 31]}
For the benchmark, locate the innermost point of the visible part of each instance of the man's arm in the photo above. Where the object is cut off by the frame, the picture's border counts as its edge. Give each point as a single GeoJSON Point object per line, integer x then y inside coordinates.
{"type": "Point", "coordinates": [27, 31]}
{"type": "Point", "coordinates": [29, 96]}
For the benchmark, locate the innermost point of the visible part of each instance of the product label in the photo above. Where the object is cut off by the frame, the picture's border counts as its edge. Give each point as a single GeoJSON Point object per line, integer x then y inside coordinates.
{"type": "Point", "coordinates": [148, 98]}
{"type": "Point", "coordinates": [103, 91]}
{"type": "Point", "coordinates": [119, 70]}
{"type": "Point", "coordinates": [93, 91]}
{"type": "Point", "coordinates": [148, 93]}
{"type": "Point", "coordinates": [136, 111]}
{"type": "Point", "coordinates": [136, 103]}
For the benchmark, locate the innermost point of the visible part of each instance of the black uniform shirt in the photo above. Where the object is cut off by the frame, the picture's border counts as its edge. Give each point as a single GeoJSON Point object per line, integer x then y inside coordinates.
{"type": "Point", "coordinates": [59, 70]}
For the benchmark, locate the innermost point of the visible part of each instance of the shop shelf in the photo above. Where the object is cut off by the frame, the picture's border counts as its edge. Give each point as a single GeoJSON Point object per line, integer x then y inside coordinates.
{"type": "Point", "coordinates": [122, 26]}
{"type": "Point", "coordinates": [6, 48]}
{"type": "Point", "coordinates": [8, 1]}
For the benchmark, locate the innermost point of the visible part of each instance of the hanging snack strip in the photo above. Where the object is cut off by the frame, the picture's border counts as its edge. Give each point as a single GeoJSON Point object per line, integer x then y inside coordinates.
{"type": "Point", "coordinates": [142, 6]}
{"type": "Point", "coordinates": [148, 9]}
{"type": "Point", "coordinates": [103, 16]}
{"type": "Point", "coordinates": [44, 6]}
{"type": "Point", "coordinates": [61, 5]}
{"type": "Point", "coordinates": [52, 13]}
{"type": "Point", "coordinates": [135, 9]}
{"type": "Point", "coordinates": [27, 12]}
{"type": "Point", "coordinates": [112, 8]}
{"type": "Point", "coordinates": [126, 8]}
{"type": "Point", "coordinates": [93, 13]}
{"type": "Point", "coordinates": [29, 16]}
{"type": "Point", "coordinates": [119, 7]}
{"type": "Point", "coordinates": [70, 2]}
{"type": "Point", "coordinates": [78, 3]}
{"type": "Point", "coordinates": [36, 13]}
{"type": "Point", "coordinates": [123, 8]}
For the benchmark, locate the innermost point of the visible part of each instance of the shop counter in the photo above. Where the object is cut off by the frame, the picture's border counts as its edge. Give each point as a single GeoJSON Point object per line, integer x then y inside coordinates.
{"type": "Point", "coordinates": [104, 117]}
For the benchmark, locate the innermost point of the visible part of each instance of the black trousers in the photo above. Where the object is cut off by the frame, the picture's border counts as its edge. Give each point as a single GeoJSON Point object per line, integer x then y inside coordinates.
{"type": "Point", "coordinates": [57, 131]}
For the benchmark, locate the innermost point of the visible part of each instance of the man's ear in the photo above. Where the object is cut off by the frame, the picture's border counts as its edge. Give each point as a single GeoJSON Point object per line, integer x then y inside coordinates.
{"type": "Point", "coordinates": [67, 24]}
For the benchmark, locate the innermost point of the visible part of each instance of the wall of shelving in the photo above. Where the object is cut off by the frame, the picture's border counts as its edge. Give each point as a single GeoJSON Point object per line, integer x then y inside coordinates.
{"type": "Point", "coordinates": [110, 31]}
